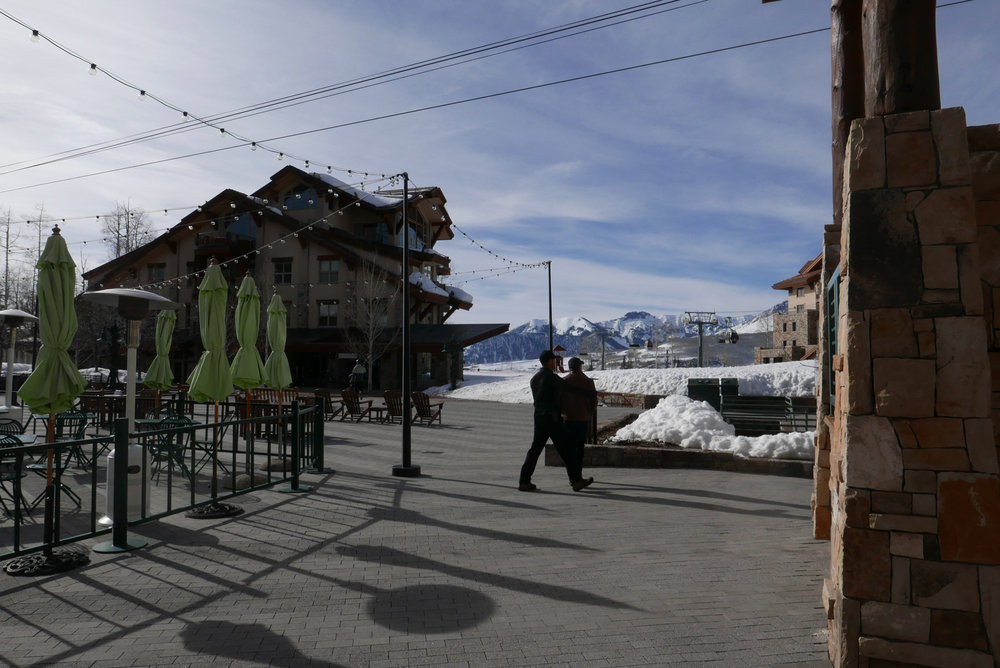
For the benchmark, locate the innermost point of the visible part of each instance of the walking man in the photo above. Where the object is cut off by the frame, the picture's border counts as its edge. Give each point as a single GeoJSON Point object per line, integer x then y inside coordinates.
{"type": "Point", "coordinates": [546, 388]}
{"type": "Point", "coordinates": [577, 409]}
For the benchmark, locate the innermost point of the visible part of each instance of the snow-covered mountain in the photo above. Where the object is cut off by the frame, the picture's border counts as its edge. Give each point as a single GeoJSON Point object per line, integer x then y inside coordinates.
{"type": "Point", "coordinates": [633, 328]}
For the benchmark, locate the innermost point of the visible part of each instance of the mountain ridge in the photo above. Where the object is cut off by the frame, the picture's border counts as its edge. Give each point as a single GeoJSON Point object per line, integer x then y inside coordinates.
{"type": "Point", "coordinates": [633, 328]}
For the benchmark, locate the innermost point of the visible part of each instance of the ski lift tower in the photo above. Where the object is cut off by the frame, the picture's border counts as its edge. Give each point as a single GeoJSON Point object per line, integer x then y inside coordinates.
{"type": "Point", "coordinates": [700, 318]}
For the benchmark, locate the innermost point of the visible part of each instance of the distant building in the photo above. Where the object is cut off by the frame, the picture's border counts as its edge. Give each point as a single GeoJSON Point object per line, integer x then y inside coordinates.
{"type": "Point", "coordinates": [796, 334]}
{"type": "Point", "coordinates": [333, 252]}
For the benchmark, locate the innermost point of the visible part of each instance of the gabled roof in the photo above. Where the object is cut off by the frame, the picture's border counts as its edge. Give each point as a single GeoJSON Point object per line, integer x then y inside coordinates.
{"type": "Point", "coordinates": [808, 274]}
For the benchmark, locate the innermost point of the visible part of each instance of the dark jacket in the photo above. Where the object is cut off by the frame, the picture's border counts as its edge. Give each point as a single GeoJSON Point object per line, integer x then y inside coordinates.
{"type": "Point", "coordinates": [578, 407]}
{"type": "Point", "coordinates": [546, 389]}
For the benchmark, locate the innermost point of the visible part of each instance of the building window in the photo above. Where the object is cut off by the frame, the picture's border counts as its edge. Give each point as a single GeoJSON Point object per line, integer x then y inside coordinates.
{"type": "Point", "coordinates": [328, 313]}
{"type": "Point", "coordinates": [155, 273]}
{"type": "Point", "coordinates": [300, 197]}
{"type": "Point", "coordinates": [793, 326]}
{"type": "Point", "coordinates": [282, 270]}
{"type": "Point", "coordinates": [801, 292]}
{"type": "Point", "coordinates": [784, 326]}
{"type": "Point", "coordinates": [800, 307]}
{"type": "Point", "coordinates": [329, 271]}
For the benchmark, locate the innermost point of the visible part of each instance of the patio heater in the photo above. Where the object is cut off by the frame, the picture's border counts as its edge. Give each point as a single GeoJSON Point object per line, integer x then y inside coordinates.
{"type": "Point", "coordinates": [14, 318]}
{"type": "Point", "coordinates": [133, 305]}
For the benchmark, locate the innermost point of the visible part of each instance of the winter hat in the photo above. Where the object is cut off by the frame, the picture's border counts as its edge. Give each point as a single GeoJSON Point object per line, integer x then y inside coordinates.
{"type": "Point", "coordinates": [575, 363]}
{"type": "Point", "coordinates": [546, 356]}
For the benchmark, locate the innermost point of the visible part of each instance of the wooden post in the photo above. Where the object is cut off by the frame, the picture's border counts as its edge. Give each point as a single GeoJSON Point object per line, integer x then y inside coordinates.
{"type": "Point", "coordinates": [901, 68]}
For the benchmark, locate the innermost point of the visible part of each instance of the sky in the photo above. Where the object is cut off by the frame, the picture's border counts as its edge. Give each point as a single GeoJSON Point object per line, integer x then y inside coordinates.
{"type": "Point", "coordinates": [692, 184]}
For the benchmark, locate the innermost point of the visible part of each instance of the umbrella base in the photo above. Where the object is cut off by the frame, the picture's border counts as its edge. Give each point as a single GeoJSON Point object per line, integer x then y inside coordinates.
{"type": "Point", "coordinates": [213, 510]}
{"type": "Point", "coordinates": [401, 471]}
{"type": "Point", "coordinates": [109, 547]}
{"type": "Point", "coordinates": [47, 564]}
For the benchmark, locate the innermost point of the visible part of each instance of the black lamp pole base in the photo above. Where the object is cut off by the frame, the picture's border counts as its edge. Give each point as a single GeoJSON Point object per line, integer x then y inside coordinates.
{"type": "Point", "coordinates": [401, 471]}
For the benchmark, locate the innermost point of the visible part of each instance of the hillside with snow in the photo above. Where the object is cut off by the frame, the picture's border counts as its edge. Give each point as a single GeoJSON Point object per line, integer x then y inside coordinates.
{"type": "Point", "coordinates": [635, 328]}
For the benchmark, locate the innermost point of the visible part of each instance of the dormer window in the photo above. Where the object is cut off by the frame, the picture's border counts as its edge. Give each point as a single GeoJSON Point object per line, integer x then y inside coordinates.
{"type": "Point", "coordinates": [300, 197]}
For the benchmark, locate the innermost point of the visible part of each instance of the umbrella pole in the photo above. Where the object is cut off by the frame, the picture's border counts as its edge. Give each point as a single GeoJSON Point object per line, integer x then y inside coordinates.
{"type": "Point", "coordinates": [50, 490]}
{"type": "Point", "coordinates": [246, 436]}
{"type": "Point", "coordinates": [215, 454]}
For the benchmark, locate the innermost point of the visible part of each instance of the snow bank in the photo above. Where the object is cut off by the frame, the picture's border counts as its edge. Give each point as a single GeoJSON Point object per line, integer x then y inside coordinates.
{"type": "Point", "coordinates": [695, 425]}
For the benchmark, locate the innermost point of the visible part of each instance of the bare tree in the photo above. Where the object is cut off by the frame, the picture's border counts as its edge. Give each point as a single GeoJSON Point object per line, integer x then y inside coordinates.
{"type": "Point", "coordinates": [9, 237]}
{"type": "Point", "coordinates": [372, 302]}
{"type": "Point", "coordinates": [125, 228]}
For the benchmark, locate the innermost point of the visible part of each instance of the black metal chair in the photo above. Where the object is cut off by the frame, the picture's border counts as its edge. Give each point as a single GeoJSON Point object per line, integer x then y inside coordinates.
{"type": "Point", "coordinates": [168, 448]}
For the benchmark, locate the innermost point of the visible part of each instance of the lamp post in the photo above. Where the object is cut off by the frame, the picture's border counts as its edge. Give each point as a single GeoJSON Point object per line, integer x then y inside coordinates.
{"type": "Point", "coordinates": [110, 336]}
{"type": "Point", "coordinates": [15, 318]}
{"type": "Point", "coordinates": [406, 469]}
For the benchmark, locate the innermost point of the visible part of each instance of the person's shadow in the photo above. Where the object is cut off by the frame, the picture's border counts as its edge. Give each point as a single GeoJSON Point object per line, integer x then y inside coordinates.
{"type": "Point", "coordinates": [226, 639]}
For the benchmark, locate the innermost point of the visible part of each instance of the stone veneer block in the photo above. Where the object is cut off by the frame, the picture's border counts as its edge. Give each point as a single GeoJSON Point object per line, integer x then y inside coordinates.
{"type": "Point", "coordinates": [939, 432]}
{"type": "Point", "coordinates": [857, 365]}
{"type": "Point", "coordinates": [940, 267]}
{"type": "Point", "coordinates": [947, 216]}
{"type": "Point", "coordinates": [890, 332]}
{"type": "Point", "coordinates": [904, 387]}
{"type": "Point", "coordinates": [963, 378]}
{"type": "Point", "coordinates": [920, 482]}
{"type": "Point", "coordinates": [893, 503]}
{"type": "Point", "coordinates": [987, 213]}
{"type": "Point", "coordinates": [896, 622]}
{"type": "Point", "coordinates": [988, 241]}
{"type": "Point", "coordinates": [981, 445]}
{"type": "Point", "coordinates": [984, 137]}
{"type": "Point", "coordinates": [958, 629]}
{"type": "Point", "coordinates": [904, 432]}
{"type": "Point", "coordinates": [936, 459]}
{"type": "Point", "coordinates": [989, 591]}
{"type": "Point", "coordinates": [903, 544]}
{"type": "Point", "coordinates": [901, 580]}
{"type": "Point", "coordinates": [865, 164]}
{"type": "Point", "coordinates": [907, 523]}
{"type": "Point", "coordinates": [908, 121]}
{"type": "Point", "coordinates": [883, 252]}
{"type": "Point", "coordinates": [924, 504]}
{"type": "Point", "coordinates": [946, 586]}
{"type": "Point", "coordinates": [910, 159]}
{"type": "Point", "coordinates": [873, 459]}
{"type": "Point", "coordinates": [985, 167]}
{"type": "Point", "coordinates": [969, 518]}
{"type": "Point", "coordinates": [952, 141]}
{"type": "Point", "coordinates": [969, 282]}
{"type": "Point", "coordinates": [867, 565]}
{"type": "Point", "coordinates": [857, 507]}
{"type": "Point", "coordinates": [916, 654]}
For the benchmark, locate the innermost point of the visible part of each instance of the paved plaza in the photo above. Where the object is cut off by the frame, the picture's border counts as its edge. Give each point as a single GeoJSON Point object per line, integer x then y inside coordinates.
{"type": "Point", "coordinates": [665, 567]}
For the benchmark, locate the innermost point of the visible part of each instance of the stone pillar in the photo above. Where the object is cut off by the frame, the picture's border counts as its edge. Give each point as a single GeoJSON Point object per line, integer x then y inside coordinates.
{"type": "Point", "coordinates": [913, 485]}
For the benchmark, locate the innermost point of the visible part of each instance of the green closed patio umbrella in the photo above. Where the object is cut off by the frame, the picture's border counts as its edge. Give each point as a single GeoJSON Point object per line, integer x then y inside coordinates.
{"type": "Point", "coordinates": [279, 375]}
{"type": "Point", "coordinates": [55, 383]}
{"type": "Point", "coordinates": [211, 379]}
{"type": "Point", "coordinates": [159, 377]}
{"type": "Point", "coordinates": [247, 367]}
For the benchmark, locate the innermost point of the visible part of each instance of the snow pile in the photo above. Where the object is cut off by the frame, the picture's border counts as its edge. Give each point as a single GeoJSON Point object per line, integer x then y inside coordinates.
{"type": "Point", "coordinates": [695, 425]}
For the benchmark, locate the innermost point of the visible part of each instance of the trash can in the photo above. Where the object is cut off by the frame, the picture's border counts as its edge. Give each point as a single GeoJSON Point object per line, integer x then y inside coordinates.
{"type": "Point", "coordinates": [134, 481]}
{"type": "Point", "coordinates": [705, 389]}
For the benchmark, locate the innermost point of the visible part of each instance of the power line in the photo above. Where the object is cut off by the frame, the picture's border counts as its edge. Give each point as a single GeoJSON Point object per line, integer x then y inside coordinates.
{"type": "Point", "coordinates": [432, 107]}
{"type": "Point", "coordinates": [323, 92]}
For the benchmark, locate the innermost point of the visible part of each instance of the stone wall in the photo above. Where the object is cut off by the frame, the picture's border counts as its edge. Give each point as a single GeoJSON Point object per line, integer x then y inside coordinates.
{"type": "Point", "coordinates": [912, 497]}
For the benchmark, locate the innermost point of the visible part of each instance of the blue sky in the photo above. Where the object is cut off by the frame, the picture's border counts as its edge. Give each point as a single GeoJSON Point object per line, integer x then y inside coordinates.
{"type": "Point", "coordinates": [689, 185]}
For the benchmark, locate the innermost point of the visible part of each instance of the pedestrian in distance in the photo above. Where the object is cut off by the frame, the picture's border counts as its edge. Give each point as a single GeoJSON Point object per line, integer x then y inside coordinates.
{"type": "Point", "coordinates": [578, 409]}
{"type": "Point", "coordinates": [546, 388]}
{"type": "Point", "coordinates": [358, 377]}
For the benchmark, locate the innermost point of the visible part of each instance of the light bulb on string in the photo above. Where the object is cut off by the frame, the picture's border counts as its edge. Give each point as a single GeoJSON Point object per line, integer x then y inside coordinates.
{"type": "Point", "coordinates": [281, 156]}
{"type": "Point", "coordinates": [35, 37]}
{"type": "Point", "coordinates": [253, 146]}
{"type": "Point", "coordinates": [142, 95]}
{"type": "Point", "coordinates": [93, 70]}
